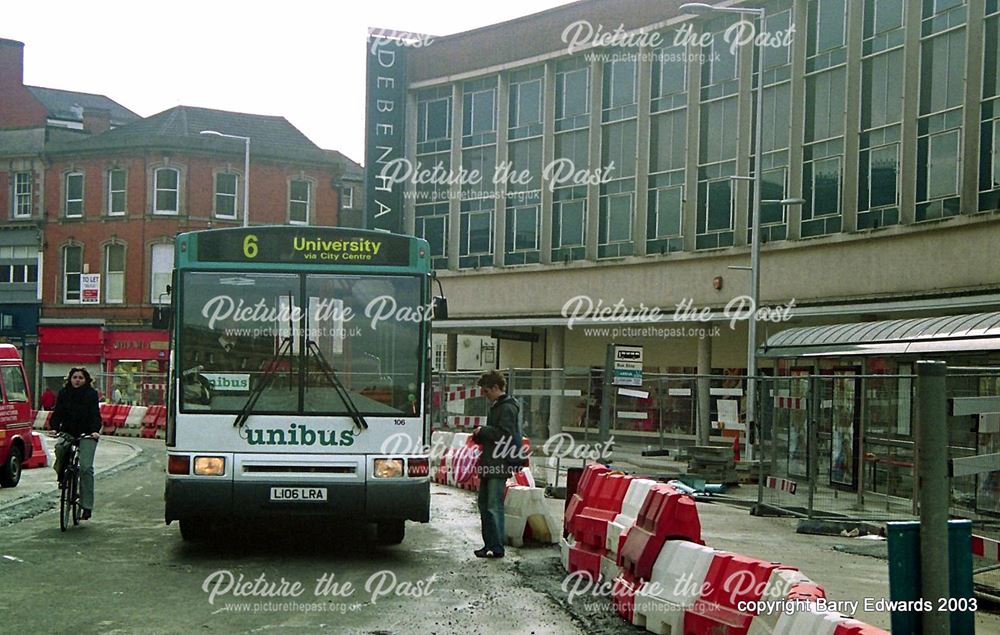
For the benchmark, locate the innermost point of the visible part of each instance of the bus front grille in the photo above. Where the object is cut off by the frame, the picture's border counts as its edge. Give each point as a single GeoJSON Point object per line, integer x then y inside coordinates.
{"type": "Point", "coordinates": [300, 469]}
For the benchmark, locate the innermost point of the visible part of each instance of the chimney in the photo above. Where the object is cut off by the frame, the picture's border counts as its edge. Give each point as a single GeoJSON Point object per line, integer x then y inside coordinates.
{"type": "Point", "coordinates": [18, 107]}
{"type": "Point", "coordinates": [96, 120]}
{"type": "Point", "coordinates": [11, 64]}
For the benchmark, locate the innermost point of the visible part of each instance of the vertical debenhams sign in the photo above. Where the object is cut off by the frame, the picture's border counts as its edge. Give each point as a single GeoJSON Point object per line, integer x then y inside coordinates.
{"type": "Point", "coordinates": [384, 130]}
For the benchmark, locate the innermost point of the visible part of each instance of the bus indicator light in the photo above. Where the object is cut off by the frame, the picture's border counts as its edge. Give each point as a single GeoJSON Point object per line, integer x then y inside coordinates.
{"type": "Point", "coordinates": [388, 468]}
{"type": "Point", "coordinates": [209, 465]}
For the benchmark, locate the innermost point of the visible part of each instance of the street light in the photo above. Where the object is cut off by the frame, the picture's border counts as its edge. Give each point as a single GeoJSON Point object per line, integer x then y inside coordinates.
{"type": "Point", "coordinates": [700, 8]}
{"type": "Point", "coordinates": [246, 169]}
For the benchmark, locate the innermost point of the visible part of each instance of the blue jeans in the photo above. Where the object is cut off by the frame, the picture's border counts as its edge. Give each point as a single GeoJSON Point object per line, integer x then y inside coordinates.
{"type": "Point", "coordinates": [88, 447]}
{"type": "Point", "coordinates": [491, 512]}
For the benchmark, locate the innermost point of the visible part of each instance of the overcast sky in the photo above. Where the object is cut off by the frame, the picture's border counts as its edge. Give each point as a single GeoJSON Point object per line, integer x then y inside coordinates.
{"type": "Point", "coordinates": [297, 59]}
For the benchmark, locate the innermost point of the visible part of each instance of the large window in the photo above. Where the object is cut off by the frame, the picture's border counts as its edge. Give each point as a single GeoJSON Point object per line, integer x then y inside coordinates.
{"type": "Point", "coordinates": [942, 164]}
{"type": "Point", "coordinates": [942, 72]}
{"type": "Point", "coordinates": [22, 194]}
{"type": "Point", "coordinates": [569, 224]}
{"type": "Point", "coordinates": [522, 228]}
{"type": "Point", "coordinates": [302, 353]}
{"type": "Point", "coordinates": [346, 197]}
{"type": "Point", "coordinates": [73, 189]}
{"type": "Point", "coordinates": [114, 273]}
{"type": "Point", "coordinates": [827, 25]}
{"type": "Point", "coordinates": [616, 219]}
{"type": "Point", "coordinates": [572, 93]}
{"type": "Point", "coordinates": [480, 112]}
{"type": "Point", "coordinates": [18, 264]}
{"type": "Point", "coordinates": [160, 270]}
{"type": "Point", "coordinates": [666, 213]}
{"type": "Point", "coordinates": [434, 120]}
{"type": "Point", "coordinates": [225, 194]}
{"type": "Point", "coordinates": [826, 187]}
{"type": "Point", "coordinates": [882, 90]}
{"type": "Point", "coordinates": [116, 192]}
{"type": "Point", "coordinates": [620, 83]}
{"type": "Point", "coordinates": [72, 256]}
{"type": "Point", "coordinates": [525, 103]}
{"type": "Point", "coordinates": [166, 196]}
{"type": "Point", "coordinates": [298, 202]}
{"type": "Point", "coordinates": [477, 233]}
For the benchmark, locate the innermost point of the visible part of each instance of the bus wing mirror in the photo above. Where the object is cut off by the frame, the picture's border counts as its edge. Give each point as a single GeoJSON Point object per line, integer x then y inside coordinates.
{"type": "Point", "coordinates": [162, 317]}
{"type": "Point", "coordinates": [440, 307]}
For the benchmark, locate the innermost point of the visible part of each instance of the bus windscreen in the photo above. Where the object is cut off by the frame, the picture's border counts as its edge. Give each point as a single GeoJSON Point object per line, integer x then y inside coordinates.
{"type": "Point", "coordinates": [305, 343]}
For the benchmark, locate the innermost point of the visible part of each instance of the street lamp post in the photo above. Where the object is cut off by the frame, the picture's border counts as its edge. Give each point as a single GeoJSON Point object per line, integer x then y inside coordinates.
{"type": "Point", "coordinates": [246, 169]}
{"type": "Point", "coordinates": [702, 8]}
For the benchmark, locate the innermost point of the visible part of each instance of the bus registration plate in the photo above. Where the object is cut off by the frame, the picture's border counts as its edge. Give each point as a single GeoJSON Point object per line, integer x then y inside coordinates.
{"type": "Point", "coordinates": [298, 494]}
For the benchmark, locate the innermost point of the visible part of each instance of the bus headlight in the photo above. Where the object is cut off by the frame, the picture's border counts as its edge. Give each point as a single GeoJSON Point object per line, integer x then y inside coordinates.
{"type": "Point", "coordinates": [209, 465]}
{"type": "Point", "coordinates": [388, 468]}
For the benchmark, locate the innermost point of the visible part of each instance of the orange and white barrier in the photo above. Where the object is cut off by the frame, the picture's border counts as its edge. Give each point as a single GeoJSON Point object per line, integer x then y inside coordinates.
{"type": "Point", "coordinates": [524, 510]}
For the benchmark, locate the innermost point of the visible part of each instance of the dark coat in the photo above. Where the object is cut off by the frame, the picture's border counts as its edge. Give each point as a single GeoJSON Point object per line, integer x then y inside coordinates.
{"type": "Point", "coordinates": [77, 411]}
{"type": "Point", "coordinates": [497, 438]}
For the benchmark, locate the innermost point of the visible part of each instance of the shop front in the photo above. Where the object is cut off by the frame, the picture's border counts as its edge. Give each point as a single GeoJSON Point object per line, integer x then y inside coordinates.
{"type": "Point", "coordinates": [135, 366]}
{"type": "Point", "coordinates": [63, 346]}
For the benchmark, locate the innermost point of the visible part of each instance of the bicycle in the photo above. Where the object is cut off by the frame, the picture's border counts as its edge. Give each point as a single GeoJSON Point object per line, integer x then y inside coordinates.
{"type": "Point", "coordinates": [69, 486]}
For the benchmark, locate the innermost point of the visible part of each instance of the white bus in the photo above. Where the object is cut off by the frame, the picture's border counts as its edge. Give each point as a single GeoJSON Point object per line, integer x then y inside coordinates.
{"type": "Point", "coordinates": [299, 377]}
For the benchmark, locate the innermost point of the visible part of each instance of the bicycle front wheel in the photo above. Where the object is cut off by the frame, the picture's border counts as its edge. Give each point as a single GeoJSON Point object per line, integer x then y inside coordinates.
{"type": "Point", "coordinates": [65, 503]}
{"type": "Point", "coordinates": [75, 487]}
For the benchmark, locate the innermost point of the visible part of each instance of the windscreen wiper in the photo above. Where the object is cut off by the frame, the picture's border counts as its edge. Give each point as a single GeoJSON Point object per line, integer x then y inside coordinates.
{"type": "Point", "coordinates": [331, 376]}
{"type": "Point", "coordinates": [265, 380]}
{"type": "Point", "coordinates": [342, 392]}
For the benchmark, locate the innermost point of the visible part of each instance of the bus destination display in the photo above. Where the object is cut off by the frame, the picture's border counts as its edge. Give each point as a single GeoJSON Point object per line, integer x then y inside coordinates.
{"type": "Point", "coordinates": [295, 245]}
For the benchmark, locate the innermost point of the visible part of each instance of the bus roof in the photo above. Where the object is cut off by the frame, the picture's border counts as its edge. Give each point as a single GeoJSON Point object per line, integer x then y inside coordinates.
{"type": "Point", "coordinates": [9, 351]}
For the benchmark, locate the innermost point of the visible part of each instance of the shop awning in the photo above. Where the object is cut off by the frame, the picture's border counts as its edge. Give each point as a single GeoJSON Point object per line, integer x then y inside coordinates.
{"type": "Point", "coordinates": [954, 333]}
{"type": "Point", "coordinates": [70, 344]}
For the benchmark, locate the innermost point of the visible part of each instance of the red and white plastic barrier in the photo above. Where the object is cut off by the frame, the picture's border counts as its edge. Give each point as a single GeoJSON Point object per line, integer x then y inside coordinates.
{"type": "Point", "coordinates": [466, 422]}
{"type": "Point", "coordinates": [986, 548]}
{"type": "Point", "coordinates": [41, 456]}
{"type": "Point", "coordinates": [781, 484]}
{"type": "Point", "coordinates": [525, 511]}
{"type": "Point", "coordinates": [674, 586]}
{"type": "Point", "coordinates": [464, 393]}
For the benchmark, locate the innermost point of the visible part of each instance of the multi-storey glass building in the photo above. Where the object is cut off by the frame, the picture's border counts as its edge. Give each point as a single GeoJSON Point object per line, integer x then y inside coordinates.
{"type": "Point", "coordinates": [607, 135]}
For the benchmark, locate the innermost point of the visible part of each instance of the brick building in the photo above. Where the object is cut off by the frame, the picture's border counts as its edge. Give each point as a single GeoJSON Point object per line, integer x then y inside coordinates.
{"type": "Point", "coordinates": [94, 197]}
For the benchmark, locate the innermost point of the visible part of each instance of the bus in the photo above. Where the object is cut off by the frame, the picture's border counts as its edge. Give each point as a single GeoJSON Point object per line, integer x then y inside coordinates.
{"type": "Point", "coordinates": [299, 377]}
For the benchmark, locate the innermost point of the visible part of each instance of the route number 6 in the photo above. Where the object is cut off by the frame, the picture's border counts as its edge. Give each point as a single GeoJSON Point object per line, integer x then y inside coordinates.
{"type": "Point", "coordinates": [250, 246]}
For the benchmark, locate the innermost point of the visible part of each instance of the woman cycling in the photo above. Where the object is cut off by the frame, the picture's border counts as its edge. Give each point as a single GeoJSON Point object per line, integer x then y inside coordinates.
{"type": "Point", "coordinates": [78, 414]}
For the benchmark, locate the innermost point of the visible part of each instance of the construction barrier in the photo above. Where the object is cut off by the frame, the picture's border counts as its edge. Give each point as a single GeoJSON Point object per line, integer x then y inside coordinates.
{"type": "Point", "coordinates": [590, 526]}
{"type": "Point", "coordinates": [525, 515]}
{"type": "Point", "coordinates": [40, 453]}
{"type": "Point", "coordinates": [674, 586]}
{"type": "Point", "coordinates": [576, 504]}
{"type": "Point", "coordinates": [986, 548]}
{"type": "Point", "coordinates": [634, 498]}
{"type": "Point", "coordinates": [732, 582]}
{"type": "Point", "coordinates": [42, 419]}
{"type": "Point", "coordinates": [666, 514]}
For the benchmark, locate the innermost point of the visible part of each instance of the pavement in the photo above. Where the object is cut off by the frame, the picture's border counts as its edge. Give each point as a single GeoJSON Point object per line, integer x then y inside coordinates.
{"type": "Point", "coordinates": [850, 569]}
{"type": "Point", "coordinates": [38, 484]}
